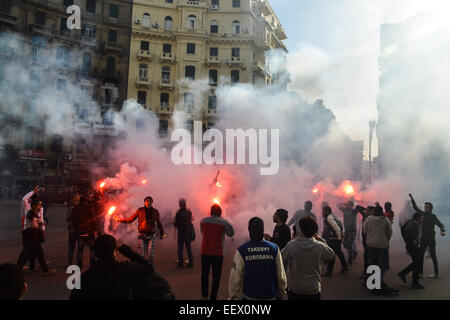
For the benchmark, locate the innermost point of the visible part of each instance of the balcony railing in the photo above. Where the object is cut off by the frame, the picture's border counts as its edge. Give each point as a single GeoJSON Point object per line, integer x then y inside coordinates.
{"type": "Point", "coordinates": [164, 108]}
{"type": "Point", "coordinates": [144, 55]}
{"type": "Point", "coordinates": [112, 74]}
{"type": "Point", "coordinates": [167, 56]}
{"type": "Point", "coordinates": [8, 18]}
{"type": "Point", "coordinates": [113, 46]}
{"type": "Point", "coordinates": [143, 82]}
{"type": "Point", "coordinates": [213, 60]}
{"type": "Point", "coordinates": [236, 61]}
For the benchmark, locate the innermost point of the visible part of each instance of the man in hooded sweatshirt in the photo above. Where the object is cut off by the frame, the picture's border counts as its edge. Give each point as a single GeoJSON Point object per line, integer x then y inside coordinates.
{"type": "Point", "coordinates": [302, 258]}
{"type": "Point", "coordinates": [378, 231]}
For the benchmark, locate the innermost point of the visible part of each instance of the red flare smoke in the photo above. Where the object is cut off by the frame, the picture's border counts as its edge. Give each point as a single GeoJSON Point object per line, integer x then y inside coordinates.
{"type": "Point", "coordinates": [111, 210]}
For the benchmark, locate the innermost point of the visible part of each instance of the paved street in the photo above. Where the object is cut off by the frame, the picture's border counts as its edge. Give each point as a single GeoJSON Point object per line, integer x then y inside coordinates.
{"type": "Point", "coordinates": [186, 283]}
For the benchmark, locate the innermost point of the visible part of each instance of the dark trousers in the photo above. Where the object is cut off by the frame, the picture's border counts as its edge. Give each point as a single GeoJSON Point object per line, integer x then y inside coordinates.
{"type": "Point", "coordinates": [181, 244]}
{"type": "Point", "coordinates": [71, 246]}
{"type": "Point", "coordinates": [32, 248]}
{"type": "Point", "coordinates": [293, 296]}
{"type": "Point", "coordinates": [414, 266]}
{"type": "Point", "coordinates": [349, 240]}
{"type": "Point", "coordinates": [81, 242]}
{"type": "Point", "coordinates": [32, 259]}
{"type": "Point", "coordinates": [366, 255]}
{"type": "Point", "coordinates": [335, 244]}
{"type": "Point", "coordinates": [424, 244]}
{"type": "Point", "coordinates": [379, 257]}
{"type": "Point", "coordinates": [214, 262]}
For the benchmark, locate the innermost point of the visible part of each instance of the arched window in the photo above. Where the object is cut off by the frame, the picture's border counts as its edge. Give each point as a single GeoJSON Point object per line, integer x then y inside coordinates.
{"type": "Point", "coordinates": [236, 27]}
{"type": "Point", "coordinates": [146, 20]}
{"type": "Point", "coordinates": [192, 21]}
{"type": "Point", "coordinates": [214, 27]}
{"type": "Point", "coordinates": [168, 23]}
{"type": "Point", "coordinates": [110, 65]}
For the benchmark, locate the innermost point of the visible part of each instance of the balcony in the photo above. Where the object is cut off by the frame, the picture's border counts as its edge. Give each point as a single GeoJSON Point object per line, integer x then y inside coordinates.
{"type": "Point", "coordinates": [165, 83]}
{"type": "Point", "coordinates": [210, 113]}
{"type": "Point", "coordinates": [6, 18]}
{"type": "Point", "coordinates": [143, 82]}
{"type": "Point", "coordinates": [113, 47]}
{"type": "Point", "coordinates": [234, 61]}
{"type": "Point", "coordinates": [167, 57]}
{"type": "Point", "coordinates": [144, 55]}
{"type": "Point", "coordinates": [213, 61]}
{"type": "Point", "coordinates": [42, 30]}
{"type": "Point", "coordinates": [68, 35]}
{"type": "Point", "coordinates": [88, 41]}
{"type": "Point", "coordinates": [164, 108]}
{"type": "Point", "coordinates": [279, 32]}
{"type": "Point", "coordinates": [264, 7]}
{"type": "Point", "coordinates": [260, 67]}
{"type": "Point", "coordinates": [111, 74]}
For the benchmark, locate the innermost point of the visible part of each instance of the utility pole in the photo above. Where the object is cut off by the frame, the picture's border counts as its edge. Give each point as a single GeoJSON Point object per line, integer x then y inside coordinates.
{"type": "Point", "coordinates": [372, 125]}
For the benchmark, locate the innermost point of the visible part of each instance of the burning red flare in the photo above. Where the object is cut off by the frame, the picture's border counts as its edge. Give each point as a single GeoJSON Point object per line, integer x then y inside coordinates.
{"type": "Point", "coordinates": [349, 190]}
{"type": "Point", "coordinates": [216, 201]}
{"type": "Point", "coordinates": [102, 184]}
{"type": "Point", "coordinates": [111, 210]}
{"type": "Point", "coordinates": [315, 190]}
{"type": "Point", "coordinates": [218, 184]}
{"type": "Point", "coordinates": [144, 181]}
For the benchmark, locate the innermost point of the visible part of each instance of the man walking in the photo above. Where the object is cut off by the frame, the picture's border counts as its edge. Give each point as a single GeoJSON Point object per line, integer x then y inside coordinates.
{"type": "Point", "coordinates": [186, 233]}
{"type": "Point", "coordinates": [213, 229]}
{"type": "Point", "coordinates": [411, 234]}
{"type": "Point", "coordinates": [258, 272]}
{"type": "Point", "coordinates": [302, 258]}
{"type": "Point", "coordinates": [332, 233]}
{"type": "Point", "coordinates": [350, 228]}
{"type": "Point", "coordinates": [147, 218]}
{"type": "Point", "coordinates": [299, 214]}
{"type": "Point", "coordinates": [428, 240]}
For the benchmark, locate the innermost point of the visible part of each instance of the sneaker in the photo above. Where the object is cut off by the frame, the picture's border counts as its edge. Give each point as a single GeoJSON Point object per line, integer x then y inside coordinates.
{"type": "Point", "coordinates": [50, 272]}
{"type": "Point", "coordinates": [417, 286]}
{"type": "Point", "coordinates": [433, 276]}
{"type": "Point", "coordinates": [402, 277]}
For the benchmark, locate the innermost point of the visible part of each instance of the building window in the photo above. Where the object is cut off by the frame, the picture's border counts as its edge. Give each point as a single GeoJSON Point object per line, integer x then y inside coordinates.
{"type": "Point", "coordinates": [165, 76]}
{"type": "Point", "coordinates": [164, 100]}
{"type": "Point", "coordinates": [234, 76]}
{"type": "Point", "coordinates": [188, 102]}
{"type": "Point", "coordinates": [192, 21]}
{"type": "Point", "coordinates": [236, 3]}
{"type": "Point", "coordinates": [212, 103]}
{"type": "Point", "coordinates": [29, 141]}
{"type": "Point", "coordinates": [236, 27]}
{"type": "Point", "coordinates": [163, 126]}
{"type": "Point", "coordinates": [146, 20]}
{"type": "Point", "coordinates": [114, 11]}
{"type": "Point", "coordinates": [63, 25]}
{"type": "Point", "coordinates": [145, 45]}
{"type": "Point", "coordinates": [86, 66]}
{"type": "Point", "coordinates": [60, 84]}
{"type": "Point", "coordinates": [142, 98]}
{"type": "Point", "coordinates": [235, 52]}
{"type": "Point", "coordinates": [169, 1]}
{"type": "Point", "coordinates": [142, 71]}
{"type": "Point", "coordinates": [68, 3]}
{"type": "Point", "coordinates": [214, 27]}
{"type": "Point", "coordinates": [112, 35]}
{"type": "Point", "coordinates": [189, 125]}
{"type": "Point", "coordinates": [89, 31]}
{"type": "Point", "coordinates": [62, 55]}
{"type": "Point", "coordinates": [213, 77]}
{"type": "Point", "coordinates": [213, 52]}
{"type": "Point", "coordinates": [167, 48]}
{"type": "Point", "coordinates": [90, 6]}
{"type": "Point", "coordinates": [190, 48]}
{"type": "Point", "coordinates": [40, 18]}
{"type": "Point", "coordinates": [190, 72]}
{"type": "Point", "coordinates": [215, 3]}
{"type": "Point", "coordinates": [168, 23]}
{"type": "Point", "coordinates": [110, 65]}
{"type": "Point", "coordinates": [5, 6]}
{"type": "Point", "coordinates": [37, 55]}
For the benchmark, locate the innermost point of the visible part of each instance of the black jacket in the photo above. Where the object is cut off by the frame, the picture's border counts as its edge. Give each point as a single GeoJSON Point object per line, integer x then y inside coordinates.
{"type": "Point", "coordinates": [124, 280]}
{"type": "Point", "coordinates": [411, 231]}
{"type": "Point", "coordinates": [183, 219]}
{"type": "Point", "coordinates": [83, 219]}
{"type": "Point", "coordinates": [430, 220]}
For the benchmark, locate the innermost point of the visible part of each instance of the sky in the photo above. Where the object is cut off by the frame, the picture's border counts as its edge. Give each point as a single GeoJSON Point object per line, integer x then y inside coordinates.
{"type": "Point", "coordinates": [333, 52]}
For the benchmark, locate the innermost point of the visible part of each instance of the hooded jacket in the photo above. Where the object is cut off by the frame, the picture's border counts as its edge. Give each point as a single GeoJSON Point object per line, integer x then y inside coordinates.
{"type": "Point", "coordinates": [302, 258]}
{"type": "Point", "coordinates": [378, 231]}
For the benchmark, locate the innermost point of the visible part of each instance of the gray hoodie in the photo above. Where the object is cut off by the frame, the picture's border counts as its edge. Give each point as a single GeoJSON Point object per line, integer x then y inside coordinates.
{"type": "Point", "coordinates": [378, 231]}
{"type": "Point", "coordinates": [302, 258]}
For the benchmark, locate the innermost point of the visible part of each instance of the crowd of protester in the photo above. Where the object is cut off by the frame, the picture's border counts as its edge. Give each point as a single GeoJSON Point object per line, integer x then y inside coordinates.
{"type": "Point", "coordinates": [287, 263]}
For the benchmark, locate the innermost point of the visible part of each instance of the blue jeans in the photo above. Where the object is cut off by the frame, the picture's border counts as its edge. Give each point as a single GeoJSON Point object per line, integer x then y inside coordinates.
{"type": "Point", "coordinates": [379, 257]}
{"type": "Point", "coordinates": [147, 240]}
